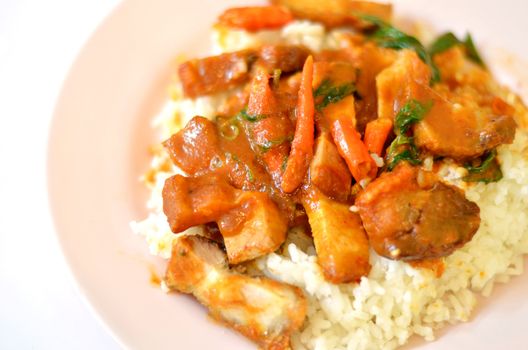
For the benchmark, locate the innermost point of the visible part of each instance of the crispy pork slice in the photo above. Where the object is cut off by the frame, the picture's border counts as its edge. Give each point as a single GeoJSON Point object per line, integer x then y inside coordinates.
{"type": "Point", "coordinates": [263, 310]}
{"type": "Point", "coordinates": [410, 215]}
{"type": "Point", "coordinates": [286, 58]}
{"type": "Point", "coordinates": [250, 222]}
{"type": "Point", "coordinates": [219, 73]}
{"type": "Point", "coordinates": [216, 73]}
{"type": "Point", "coordinates": [340, 241]}
{"type": "Point", "coordinates": [460, 125]}
{"type": "Point", "coordinates": [195, 146]}
{"type": "Point", "coordinates": [252, 229]}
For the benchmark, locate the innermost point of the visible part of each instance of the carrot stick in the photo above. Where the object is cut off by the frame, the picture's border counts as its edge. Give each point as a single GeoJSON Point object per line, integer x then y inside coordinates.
{"type": "Point", "coordinates": [256, 18]}
{"type": "Point", "coordinates": [376, 134]}
{"type": "Point", "coordinates": [303, 140]}
{"type": "Point", "coordinates": [353, 150]}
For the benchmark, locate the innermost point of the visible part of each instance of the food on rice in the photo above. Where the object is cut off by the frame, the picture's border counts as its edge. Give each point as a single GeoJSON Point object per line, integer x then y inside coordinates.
{"type": "Point", "coordinates": [337, 185]}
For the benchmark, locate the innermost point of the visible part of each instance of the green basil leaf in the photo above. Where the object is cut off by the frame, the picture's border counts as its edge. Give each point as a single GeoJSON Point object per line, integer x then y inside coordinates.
{"type": "Point", "coordinates": [412, 112]}
{"type": "Point", "coordinates": [488, 171]}
{"type": "Point", "coordinates": [471, 50]}
{"type": "Point", "coordinates": [389, 37]}
{"type": "Point", "coordinates": [486, 163]}
{"type": "Point", "coordinates": [402, 149]}
{"type": "Point", "coordinates": [443, 42]}
{"type": "Point", "coordinates": [448, 40]}
{"type": "Point", "coordinates": [331, 93]}
{"type": "Point", "coordinates": [406, 155]}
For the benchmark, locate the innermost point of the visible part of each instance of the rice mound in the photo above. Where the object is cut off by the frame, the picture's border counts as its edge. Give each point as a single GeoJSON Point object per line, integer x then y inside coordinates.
{"type": "Point", "coordinates": [396, 300]}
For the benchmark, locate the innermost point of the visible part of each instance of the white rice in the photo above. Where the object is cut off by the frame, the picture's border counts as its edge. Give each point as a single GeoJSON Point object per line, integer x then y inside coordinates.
{"type": "Point", "coordinates": [396, 300]}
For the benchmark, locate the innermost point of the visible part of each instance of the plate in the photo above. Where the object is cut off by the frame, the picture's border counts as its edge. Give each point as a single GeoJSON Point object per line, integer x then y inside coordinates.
{"type": "Point", "coordinates": [98, 148]}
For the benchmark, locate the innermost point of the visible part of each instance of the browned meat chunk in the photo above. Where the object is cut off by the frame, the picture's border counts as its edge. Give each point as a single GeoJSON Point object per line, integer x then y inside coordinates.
{"type": "Point", "coordinates": [250, 222]}
{"type": "Point", "coordinates": [254, 228]}
{"type": "Point", "coordinates": [328, 171]}
{"type": "Point", "coordinates": [409, 214]}
{"type": "Point", "coordinates": [334, 13]}
{"type": "Point", "coordinates": [219, 73]}
{"type": "Point", "coordinates": [286, 58]}
{"type": "Point", "coordinates": [263, 310]}
{"type": "Point", "coordinates": [455, 126]}
{"type": "Point", "coordinates": [191, 201]}
{"type": "Point", "coordinates": [200, 149]}
{"type": "Point", "coordinates": [463, 134]}
{"type": "Point", "coordinates": [340, 241]}
{"type": "Point", "coordinates": [216, 73]}
{"type": "Point", "coordinates": [194, 147]}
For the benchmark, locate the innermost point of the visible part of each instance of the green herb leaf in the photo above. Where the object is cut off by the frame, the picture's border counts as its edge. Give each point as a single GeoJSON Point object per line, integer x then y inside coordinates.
{"type": "Point", "coordinates": [405, 155]}
{"type": "Point", "coordinates": [331, 93]}
{"type": "Point", "coordinates": [243, 115]}
{"type": "Point", "coordinates": [389, 37]}
{"type": "Point", "coordinates": [471, 50]}
{"type": "Point", "coordinates": [443, 42]}
{"type": "Point", "coordinates": [412, 112]}
{"type": "Point", "coordinates": [448, 40]}
{"type": "Point", "coordinates": [402, 149]}
{"type": "Point", "coordinates": [488, 171]}
{"type": "Point", "coordinates": [484, 165]}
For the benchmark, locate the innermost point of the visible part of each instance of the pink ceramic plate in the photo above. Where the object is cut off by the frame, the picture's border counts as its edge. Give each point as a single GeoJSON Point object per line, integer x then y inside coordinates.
{"type": "Point", "coordinates": [98, 150]}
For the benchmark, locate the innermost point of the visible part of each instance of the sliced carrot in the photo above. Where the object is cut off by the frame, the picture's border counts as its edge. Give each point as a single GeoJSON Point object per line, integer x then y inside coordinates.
{"type": "Point", "coordinates": [261, 98]}
{"type": "Point", "coordinates": [353, 150]}
{"type": "Point", "coordinates": [376, 134]}
{"type": "Point", "coordinates": [256, 18]}
{"type": "Point", "coordinates": [303, 140]}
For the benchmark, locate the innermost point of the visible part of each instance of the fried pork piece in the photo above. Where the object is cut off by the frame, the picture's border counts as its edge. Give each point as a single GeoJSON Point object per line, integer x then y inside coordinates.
{"type": "Point", "coordinates": [219, 73]}
{"type": "Point", "coordinates": [263, 310]}
{"type": "Point", "coordinates": [199, 148]}
{"type": "Point", "coordinates": [455, 126]}
{"type": "Point", "coordinates": [328, 171]}
{"type": "Point", "coordinates": [334, 13]}
{"type": "Point", "coordinates": [250, 222]}
{"type": "Point", "coordinates": [287, 58]}
{"type": "Point", "coordinates": [340, 241]}
{"type": "Point", "coordinates": [253, 228]}
{"type": "Point", "coordinates": [215, 73]}
{"type": "Point", "coordinates": [194, 147]}
{"type": "Point", "coordinates": [410, 215]}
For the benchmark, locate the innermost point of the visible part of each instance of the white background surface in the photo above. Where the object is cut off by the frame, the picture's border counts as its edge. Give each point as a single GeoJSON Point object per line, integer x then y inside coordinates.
{"type": "Point", "coordinates": [39, 306]}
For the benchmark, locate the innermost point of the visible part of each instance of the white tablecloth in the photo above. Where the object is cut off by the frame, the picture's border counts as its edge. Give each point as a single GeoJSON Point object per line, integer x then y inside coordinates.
{"type": "Point", "coordinates": [39, 306]}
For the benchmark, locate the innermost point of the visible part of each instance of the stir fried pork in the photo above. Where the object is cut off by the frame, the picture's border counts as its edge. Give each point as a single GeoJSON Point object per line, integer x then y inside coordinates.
{"type": "Point", "coordinates": [409, 214]}
{"type": "Point", "coordinates": [250, 222]}
{"type": "Point", "coordinates": [200, 149]}
{"type": "Point", "coordinates": [219, 73]}
{"type": "Point", "coordinates": [215, 73]}
{"type": "Point", "coordinates": [263, 310]}
{"type": "Point", "coordinates": [458, 129]}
